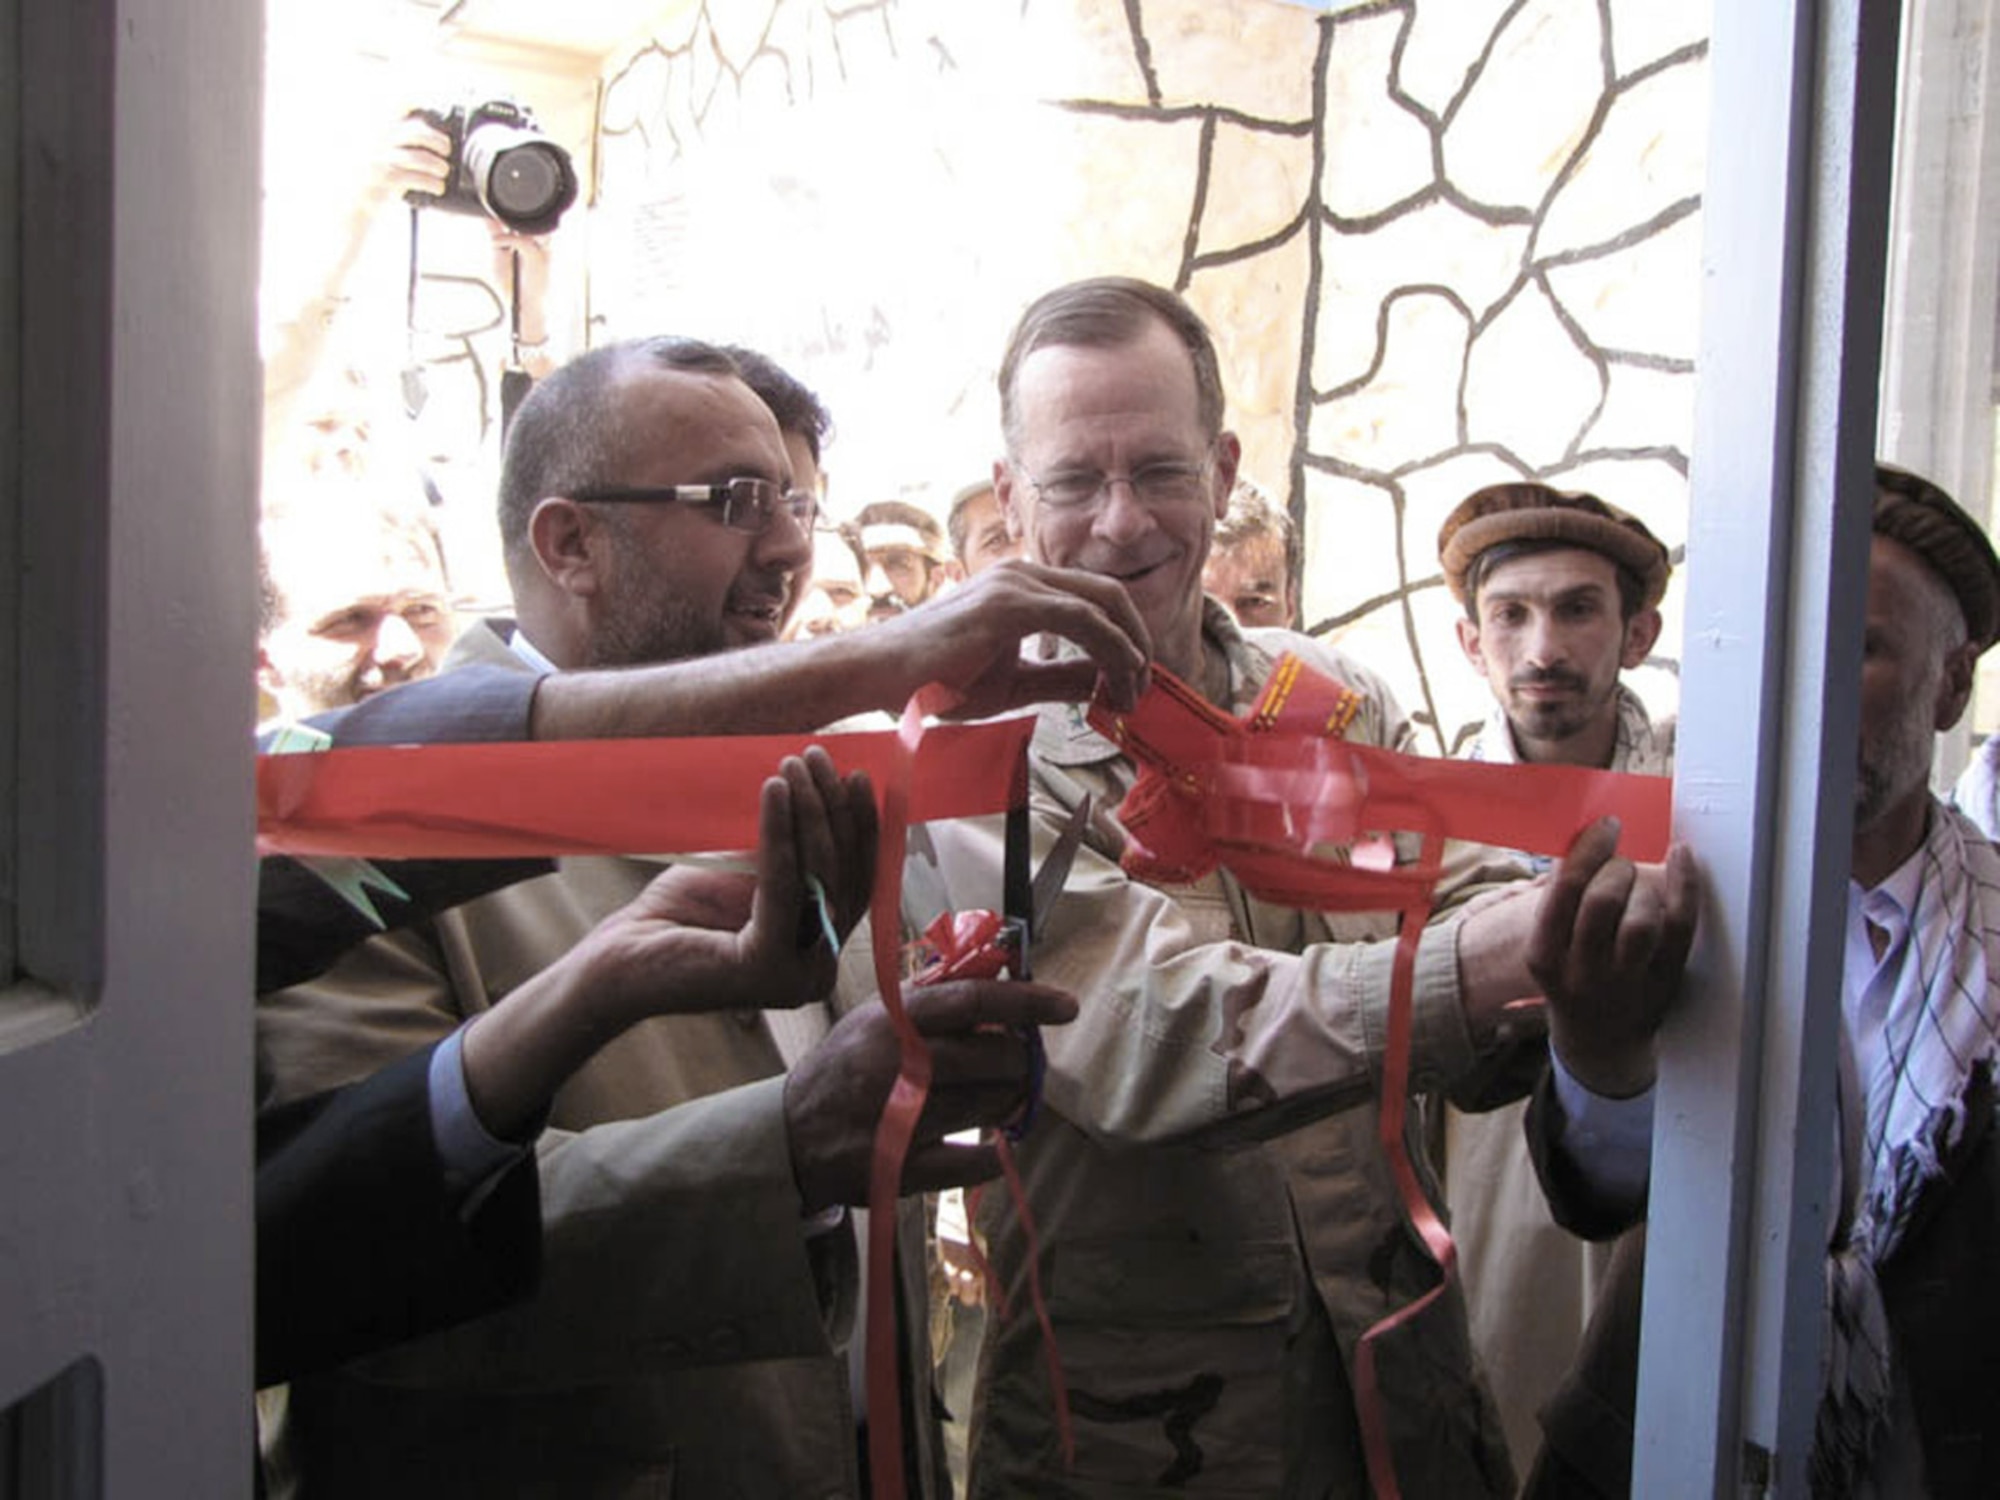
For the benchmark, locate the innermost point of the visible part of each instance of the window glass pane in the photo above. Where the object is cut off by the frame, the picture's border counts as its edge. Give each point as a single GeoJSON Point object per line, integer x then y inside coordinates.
{"type": "Point", "coordinates": [56, 180]}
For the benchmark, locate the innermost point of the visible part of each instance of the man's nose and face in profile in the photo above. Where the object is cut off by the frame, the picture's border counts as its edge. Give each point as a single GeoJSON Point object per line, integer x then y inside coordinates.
{"type": "Point", "coordinates": [355, 600]}
{"type": "Point", "coordinates": [979, 535]}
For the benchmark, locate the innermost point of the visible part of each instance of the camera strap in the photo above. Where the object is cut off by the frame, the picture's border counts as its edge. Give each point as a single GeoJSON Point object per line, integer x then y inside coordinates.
{"type": "Point", "coordinates": [514, 304]}
{"type": "Point", "coordinates": [515, 381]}
{"type": "Point", "coordinates": [415, 390]}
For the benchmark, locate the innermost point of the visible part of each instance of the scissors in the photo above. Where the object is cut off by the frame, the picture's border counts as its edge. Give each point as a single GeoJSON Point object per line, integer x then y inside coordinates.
{"type": "Point", "coordinates": [981, 944]}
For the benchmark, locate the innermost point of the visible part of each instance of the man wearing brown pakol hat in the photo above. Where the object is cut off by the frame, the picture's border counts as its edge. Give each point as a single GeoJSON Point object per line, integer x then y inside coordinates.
{"type": "Point", "coordinates": [1912, 1366]}
{"type": "Point", "coordinates": [1561, 593]}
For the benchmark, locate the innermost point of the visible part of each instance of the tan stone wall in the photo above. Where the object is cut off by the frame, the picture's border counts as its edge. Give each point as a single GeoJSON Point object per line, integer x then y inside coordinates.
{"type": "Point", "coordinates": [1439, 243]}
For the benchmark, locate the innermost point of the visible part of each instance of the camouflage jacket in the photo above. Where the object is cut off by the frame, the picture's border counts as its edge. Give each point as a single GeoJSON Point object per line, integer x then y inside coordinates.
{"type": "Point", "coordinates": [1217, 1221]}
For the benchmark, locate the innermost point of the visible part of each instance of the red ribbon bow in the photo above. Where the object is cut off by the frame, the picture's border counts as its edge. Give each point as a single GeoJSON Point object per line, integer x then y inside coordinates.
{"type": "Point", "coordinates": [1296, 812]}
{"type": "Point", "coordinates": [964, 945]}
{"type": "Point", "coordinates": [1259, 794]}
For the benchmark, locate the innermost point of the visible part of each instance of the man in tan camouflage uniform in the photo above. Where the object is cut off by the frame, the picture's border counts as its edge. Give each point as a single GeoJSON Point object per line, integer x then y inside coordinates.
{"type": "Point", "coordinates": [1218, 1223]}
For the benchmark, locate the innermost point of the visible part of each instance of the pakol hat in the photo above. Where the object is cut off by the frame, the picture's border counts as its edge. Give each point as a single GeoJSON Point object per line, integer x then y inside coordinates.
{"type": "Point", "coordinates": [1911, 510]}
{"type": "Point", "coordinates": [1523, 511]}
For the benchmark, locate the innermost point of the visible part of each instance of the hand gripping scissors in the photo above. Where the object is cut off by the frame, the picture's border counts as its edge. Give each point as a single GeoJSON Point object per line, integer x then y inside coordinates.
{"type": "Point", "coordinates": [980, 944]}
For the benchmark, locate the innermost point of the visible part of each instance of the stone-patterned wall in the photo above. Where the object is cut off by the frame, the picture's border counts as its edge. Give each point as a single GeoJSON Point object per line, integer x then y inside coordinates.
{"type": "Point", "coordinates": [1440, 243]}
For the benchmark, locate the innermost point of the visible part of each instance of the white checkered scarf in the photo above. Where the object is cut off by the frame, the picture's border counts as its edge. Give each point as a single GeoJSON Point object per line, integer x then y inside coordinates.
{"type": "Point", "coordinates": [1943, 1022]}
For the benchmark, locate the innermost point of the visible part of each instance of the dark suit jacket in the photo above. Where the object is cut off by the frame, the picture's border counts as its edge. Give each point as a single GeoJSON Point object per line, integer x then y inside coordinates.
{"type": "Point", "coordinates": [360, 1243]}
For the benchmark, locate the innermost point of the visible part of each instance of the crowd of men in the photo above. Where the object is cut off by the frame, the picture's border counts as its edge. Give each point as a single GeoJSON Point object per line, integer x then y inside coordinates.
{"type": "Point", "coordinates": [561, 1181]}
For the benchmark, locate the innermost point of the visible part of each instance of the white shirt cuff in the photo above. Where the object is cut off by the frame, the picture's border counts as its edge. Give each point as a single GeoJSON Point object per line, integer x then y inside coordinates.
{"type": "Point", "coordinates": [1610, 1141]}
{"type": "Point", "coordinates": [472, 1158]}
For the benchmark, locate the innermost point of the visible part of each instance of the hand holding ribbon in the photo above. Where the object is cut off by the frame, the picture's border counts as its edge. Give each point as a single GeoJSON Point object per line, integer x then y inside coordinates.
{"type": "Point", "coordinates": [1609, 945]}
{"type": "Point", "coordinates": [835, 1095]}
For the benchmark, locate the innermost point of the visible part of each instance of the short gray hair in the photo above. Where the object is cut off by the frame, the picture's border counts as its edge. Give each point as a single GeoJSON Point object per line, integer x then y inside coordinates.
{"type": "Point", "coordinates": [1107, 312]}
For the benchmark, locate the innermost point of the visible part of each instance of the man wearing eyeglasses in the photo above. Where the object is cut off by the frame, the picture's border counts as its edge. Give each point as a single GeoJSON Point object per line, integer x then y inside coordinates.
{"type": "Point", "coordinates": [650, 515]}
{"type": "Point", "coordinates": [1217, 1220]}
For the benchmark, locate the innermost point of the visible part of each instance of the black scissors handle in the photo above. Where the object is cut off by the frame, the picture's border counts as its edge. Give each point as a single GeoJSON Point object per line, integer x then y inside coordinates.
{"type": "Point", "coordinates": [1026, 901]}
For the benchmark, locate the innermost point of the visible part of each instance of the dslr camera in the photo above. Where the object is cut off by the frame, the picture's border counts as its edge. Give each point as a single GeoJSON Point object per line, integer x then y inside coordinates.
{"type": "Point", "coordinates": [502, 166]}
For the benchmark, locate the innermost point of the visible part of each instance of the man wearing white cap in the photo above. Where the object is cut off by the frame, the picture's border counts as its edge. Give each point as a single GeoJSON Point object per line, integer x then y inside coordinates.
{"type": "Point", "coordinates": [906, 556]}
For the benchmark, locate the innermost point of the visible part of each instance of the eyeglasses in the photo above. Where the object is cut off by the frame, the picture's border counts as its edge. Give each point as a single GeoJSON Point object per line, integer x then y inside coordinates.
{"type": "Point", "coordinates": [747, 504]}
{"type": "Point", "coordinates": [1161, 484]}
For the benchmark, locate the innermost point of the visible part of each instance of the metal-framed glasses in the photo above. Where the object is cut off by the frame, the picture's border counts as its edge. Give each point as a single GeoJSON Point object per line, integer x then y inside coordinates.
{"type": "Point", "coordinates": [1160, 484]}
{"type": "Point", "coordinates": [745, 504]}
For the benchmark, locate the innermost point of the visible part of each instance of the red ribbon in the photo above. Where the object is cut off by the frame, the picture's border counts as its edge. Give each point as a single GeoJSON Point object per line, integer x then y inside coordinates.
{"type": "Point", "coordinates": [1268, 796]}
{"type": "Point", "coordinates": [1390, 1118]}
{"type": "Point", "coordinates": [964, 945]}
{"type": "Point", "coordinates": [1259, 794]}
{"type": "Point", "coordinates": [967, 945]}
{"type": "Point", "coordinates": [898, 1124]}
{"type": "Point", "coordinates": [516, 800]}
{"type": "Point", "coordinates": [513, 800]}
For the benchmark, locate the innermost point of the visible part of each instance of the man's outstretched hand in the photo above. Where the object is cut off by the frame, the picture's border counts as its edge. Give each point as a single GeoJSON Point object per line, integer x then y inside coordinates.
{"type": "Point", "coordinates": [702, 939]}
{"type": "Point", "coordinates": [1608, 948]}
{"type": "Point", "coordinates": [693, 940]}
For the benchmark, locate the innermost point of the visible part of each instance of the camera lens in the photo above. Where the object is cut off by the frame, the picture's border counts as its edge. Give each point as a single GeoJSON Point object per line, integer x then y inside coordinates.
{"type": "Point", "coordinates": [527, 182]}
{"type": "Point", "coordinates": [520, 176]}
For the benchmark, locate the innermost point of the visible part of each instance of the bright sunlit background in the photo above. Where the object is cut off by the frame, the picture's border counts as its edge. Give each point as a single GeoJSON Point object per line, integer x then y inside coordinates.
{"type": "Point", "coordinates": [1440, 243]}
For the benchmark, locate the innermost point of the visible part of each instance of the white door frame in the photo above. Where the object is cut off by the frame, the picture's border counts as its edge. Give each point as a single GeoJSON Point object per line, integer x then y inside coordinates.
{"type": "Point", "coordinates": [128, 465]}
{"type": "Point", "coordinates": [1794, 226]}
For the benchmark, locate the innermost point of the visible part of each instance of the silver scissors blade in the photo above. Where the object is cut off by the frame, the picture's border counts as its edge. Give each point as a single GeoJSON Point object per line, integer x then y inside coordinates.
{"type": "Point", "coordinates": [1054, 873]}
{"type": "Point", "coordinates": [926, 897]}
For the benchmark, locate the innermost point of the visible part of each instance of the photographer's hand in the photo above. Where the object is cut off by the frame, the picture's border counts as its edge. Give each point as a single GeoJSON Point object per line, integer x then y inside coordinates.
{"type": "Point", "coordinates": [408, 155]}
{"type": "Point", "coordinates": [415, 158]}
